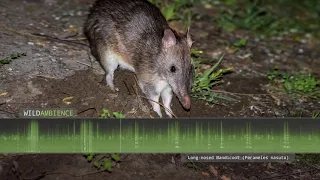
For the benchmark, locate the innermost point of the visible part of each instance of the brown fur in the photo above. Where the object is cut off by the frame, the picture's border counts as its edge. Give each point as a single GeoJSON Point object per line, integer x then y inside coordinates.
{"type": "Point", "coordinates": [132, 34]}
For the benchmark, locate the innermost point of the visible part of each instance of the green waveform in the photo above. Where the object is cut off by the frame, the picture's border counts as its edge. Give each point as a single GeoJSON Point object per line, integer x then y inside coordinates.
{"type": "Point", "coordinates": [143, 136]}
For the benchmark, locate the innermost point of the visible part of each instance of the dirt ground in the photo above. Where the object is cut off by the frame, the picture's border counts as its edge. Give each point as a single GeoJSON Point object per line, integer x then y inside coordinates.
{"type": "Point", "coordinates": [56, 69]}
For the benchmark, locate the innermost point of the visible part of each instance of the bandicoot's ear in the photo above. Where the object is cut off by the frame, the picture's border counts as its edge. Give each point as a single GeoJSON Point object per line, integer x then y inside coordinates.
{"type": "Point", "coordinates": [189, 40]}
{"type": "Point", "coordinates": [169, 39]}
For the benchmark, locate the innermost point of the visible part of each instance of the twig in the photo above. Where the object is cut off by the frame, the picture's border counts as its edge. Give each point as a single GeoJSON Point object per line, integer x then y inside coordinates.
{"type": "Point", "coordinates": [59, 40]}
{"type": "Point", "coordinates": [232, 93]}
{"type": "Point", "coordinates": [127, 87]}
{"type": "Point", "coordinates": [137, 96]}
{"type": "Point", "coordinates": [44, 76]}
{"type": "Point", "coordinates": [74, 39]}
{"type": "Point", "coordinates": [160, 105]}
{"type": "Point", "coordinates": [71, 36]}
{"type": "Point", "coordinates": [125, 157]}
{"type": "Point", "coordinates": [37, 36]}
{"type": "Point", "coordinates": [87, 110]}
{"type": "Point", "coordinates": [155, 101]}
{"type": "Point", "coordinates": [124, 107]}
{"type": "Point", "coordinates": [17, 32]}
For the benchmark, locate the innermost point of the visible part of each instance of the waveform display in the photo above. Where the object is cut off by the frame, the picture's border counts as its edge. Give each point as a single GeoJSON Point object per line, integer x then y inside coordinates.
{"type": "Point", "coordinates": [216, 135]}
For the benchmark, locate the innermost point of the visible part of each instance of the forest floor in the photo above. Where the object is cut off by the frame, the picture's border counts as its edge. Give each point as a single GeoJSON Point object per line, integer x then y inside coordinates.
{"type": "Point", "coordinates": [52, 69]}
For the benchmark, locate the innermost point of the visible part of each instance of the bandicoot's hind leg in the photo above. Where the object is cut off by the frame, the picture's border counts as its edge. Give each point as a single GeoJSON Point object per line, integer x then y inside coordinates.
{"type": "Point", "coordinates": [100, 49]}
{"type": "Point", "coordinates": [109, 63]}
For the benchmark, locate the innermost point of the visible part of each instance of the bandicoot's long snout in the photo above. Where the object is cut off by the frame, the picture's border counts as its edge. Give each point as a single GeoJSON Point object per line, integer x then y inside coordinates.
{"type": "Point", "coordinates": [186, 102]}
{"type": "Point", "coordinates": [183, 95]}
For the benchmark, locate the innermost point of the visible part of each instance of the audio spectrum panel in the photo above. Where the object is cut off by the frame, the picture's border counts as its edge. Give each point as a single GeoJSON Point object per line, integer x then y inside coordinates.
{"type": "Point", "coordinates": [205, 135]}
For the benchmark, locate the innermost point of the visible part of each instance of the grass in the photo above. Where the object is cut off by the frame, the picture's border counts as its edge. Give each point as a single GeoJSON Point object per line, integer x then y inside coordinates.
{"type": "Point", "coordinates": [301, 84]}
{"type": "Point", "coordinates": [205, 81]}
{"type": "Point", "coordinates": [251, 17]}
{"type": "Point", "coordinates": [266, 18]}
{"type": "Point", "coordinates": [308, 158]}
{"type": "Point", "coordinates": [176, 10]}
{"type": "Point", "coordinates": [270, 18]}
{"type": "Point", "coordinates": [315, 115]}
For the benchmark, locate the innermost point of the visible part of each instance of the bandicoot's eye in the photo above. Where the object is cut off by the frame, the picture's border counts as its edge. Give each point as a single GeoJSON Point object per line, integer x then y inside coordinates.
{"type": "Point", "coordinates": [173, 69]}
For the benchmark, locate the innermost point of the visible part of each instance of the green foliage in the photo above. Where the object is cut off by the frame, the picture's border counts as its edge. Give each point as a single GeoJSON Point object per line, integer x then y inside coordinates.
{"type": "Point", "coordinates": [271, 18]}
{"type": "Point", "coordinates": [102, 162]}
{"type": "Point", "coordinates": [196, 52]}
{"type": "Point", "coordinates": [118, 115]}
{"type": "Point", "coordinates": [107, 164]}
{"type": "Point", "coordinates": [300, 84]}
{"type": "Point", "coordinates": [315, 114]}
{"type": "Point", "coordinates": [251, 17]}
{"type": "Point", "coordinates": [11, 57]}
{"type": "Point", "coordinates": [106, 114]}
{"type": "Point", "coordinates": [115, 157]}
{"type": "Point", "coordinates": [209, 78]}
{"type": "Point", "coordinates": [97, 164]}
{"type": "Point", "coordinates": [89, 156]}
{"type": "Point", "coordinates": [308, 158]}
{"type": "Point", "coordinates": [175, 10]}
{"type": "Point", "coordinates": [241, 43]}
{"type": "Point", "coordinates": [204, 82]}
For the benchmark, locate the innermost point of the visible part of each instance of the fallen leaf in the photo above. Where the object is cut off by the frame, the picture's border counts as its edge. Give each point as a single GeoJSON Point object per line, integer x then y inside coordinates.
{"type": "Point", "coordinates": [41, 42]}
{"type": "Point", "coordinates": [205, 173]}
{"type": "Point", "coordinates": [231, 50]}
{"type": "Point", "coordinates": [66, 100]}
{"type": "Point", "coordinates": [213, 170]}
{"type": "Point", "coordinates": [246, 56]}
{"type": "Point", "coordinates": [4, 93]}
{"type": "Point", "coordinates": [225, 178]}
{"type": "Point", "coordinates": [72, 30]}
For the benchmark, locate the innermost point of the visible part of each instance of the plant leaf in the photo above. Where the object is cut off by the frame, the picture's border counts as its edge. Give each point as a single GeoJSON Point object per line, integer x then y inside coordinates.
{"type": "Point", "coordinates": [118, 115]}
{"type": "Point", "coordinates": [107, 165]}
{"type": "Point", "coordinates": [115, 157]}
